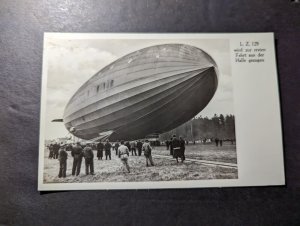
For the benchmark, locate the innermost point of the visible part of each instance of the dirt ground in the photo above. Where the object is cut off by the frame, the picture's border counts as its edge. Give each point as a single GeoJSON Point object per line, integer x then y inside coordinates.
{"type": "Point", "coordinates": [164, 169]}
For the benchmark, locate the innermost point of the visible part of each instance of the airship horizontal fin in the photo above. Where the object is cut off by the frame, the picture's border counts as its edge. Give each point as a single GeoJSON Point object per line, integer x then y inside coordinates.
{"type": "Point", "coordinates": [57, 120]}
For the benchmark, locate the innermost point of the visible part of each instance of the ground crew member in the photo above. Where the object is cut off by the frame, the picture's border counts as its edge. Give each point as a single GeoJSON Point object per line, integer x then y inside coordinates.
{"type": "Point", "coordinates": [100, 147]}
{"type": "Point", "coordinates": [62, 157]}
{"type": "Point", "coordinates": [107, 147]}
{"type": "Point", "coordinates": [139, 146]}
{"type": "Point", "coordinates": [56, 147]}
{"type": "Point", "coordinates": [89, 159]}
{"type": "Point", "coordinates": [116, 147]}
{"type": "Point", "coordinates": [176, 147]}
{"type": "Point", "coordinates": [133, 147]}
{"type": "Point", "coordinates": [147, 152]}
{"type": "Point", "coordinates": [182, 148]}
{"type": "Point", "coordinates": [77, 158]}
{"type": "Point", "coordinates": [123, 153]}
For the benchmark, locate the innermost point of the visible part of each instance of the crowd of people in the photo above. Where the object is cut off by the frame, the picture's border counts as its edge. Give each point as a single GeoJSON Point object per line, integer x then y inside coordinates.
{"type": "Point", "coordinates": [81, 150]}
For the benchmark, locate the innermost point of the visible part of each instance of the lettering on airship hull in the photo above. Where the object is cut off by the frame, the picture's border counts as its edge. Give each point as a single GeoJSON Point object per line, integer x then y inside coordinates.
{"type": "Point", "coordinates": [152, 90]}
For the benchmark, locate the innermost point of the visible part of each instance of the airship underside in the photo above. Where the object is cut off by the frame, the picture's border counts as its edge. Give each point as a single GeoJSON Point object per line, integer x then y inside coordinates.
{"type": "Point", "coordinates": [152, 90]}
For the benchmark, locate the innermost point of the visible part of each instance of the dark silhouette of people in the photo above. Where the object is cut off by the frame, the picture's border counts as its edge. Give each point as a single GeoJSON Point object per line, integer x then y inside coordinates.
{"type": "Point", "coordinates": [217, 142]}
{"type": "Point", "coordinates": [89, 159]}
{"type": "Point", "coordinates": [127, 144]}
{"type": "Point", "coordinates": [77, 158]}
{"type": "Point", "coordinates": [176, 147]}
{"type": "Point", "coordinates": [182, 149]}
{"type": "Point", "coordinates": [107, 148]}
{"type": "Point", "coordinates": [56, 147]}
{"type": "Point", "coordinates": [100, 147]}
{"type": "Point", "coordinates": [50, 151]}
{"type": "Point", "coordinates": [167, 144]}
{"type": "Point", "coordinates": [62, 157]}
{"type": "Point", "coordinates": [139, 146]}
{"type": "Point", "coordinates": [116, 147]}
{"type": "Point", "coordinates": [171, 146]}
{"type": "Point", "coordinates": [221, 142]}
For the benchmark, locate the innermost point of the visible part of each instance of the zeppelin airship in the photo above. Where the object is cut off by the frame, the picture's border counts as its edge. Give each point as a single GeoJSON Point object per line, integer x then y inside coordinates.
{"type": "Point", "coordinates": [150, 91]}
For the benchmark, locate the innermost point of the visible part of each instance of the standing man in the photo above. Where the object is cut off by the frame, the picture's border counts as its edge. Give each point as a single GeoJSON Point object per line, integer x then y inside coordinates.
{"type": "Point", "coordinates": [77, 158]}
{"type": "Point", "coordinates": [139, 146]}
{"type": "Point", "coordinates": [127, 144]}
{"type": "Point", "coordinates": [107, 147]}
{"type": "Point", "coordinates": [62, 157]}
{"type": "Point", "coordinates": [100, 147]}
{"type": "Point", "coordinates": [56, 147]}
{"type": "Point", "coordinates": [176, 147]}
{"type": "Point", "coordinates": [89, 159]}
{"type": "Point", "coordinates": [171, 146]}
{"type": "Point", "coordinates": [147, 152]}
{"type": "Point", "coordinates": [116, 147]}
{"type": "Point", "coordinates": [182, 148]}
{"type": "Point", "coordinates": [123, 153]}
{"type": "Point", "coordinates": [133, 147]}
{"type": "Point", "coordinates": [217, 142]}
{"type": "Point", "coordinates": [50, 151]}
{"type": "Point", "coordinates": [221, 142]}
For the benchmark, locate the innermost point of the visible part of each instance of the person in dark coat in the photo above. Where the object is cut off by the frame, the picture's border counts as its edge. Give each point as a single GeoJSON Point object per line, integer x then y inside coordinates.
{"type": "Point", "coordinates": [117, 145]}
{"type": "Point", "coordinates": [176, 147]}
{"type": "Point", "coordinates": [89, 159]}
{"type": "Point", "coordinates": [221, 142]}
{"type": "Point", "coordinates": [182, 148]}
{"type": "Point", "coordinates": [62, 157]}
{"type": "Point", "coordinates": [77, 158]}
{"type": "Point", "coordinates": [56, 147]}
{"type": "Point", "coordinates": [50, 151]}
{"type": "Point", "coordinates": [107, 148]}
{"type": "Point", "coordinates": [100, 147]}
{"type": "Point", "coordinates": [127, 144]}
{"type": "Point", "coordinates": [171, 146]}
{"type": "Point", "coordinates": [139, 146]}
{"type": "Point", "coordinates": [167, 144]}
{"type": "Point", "coordinates": [217, 142]}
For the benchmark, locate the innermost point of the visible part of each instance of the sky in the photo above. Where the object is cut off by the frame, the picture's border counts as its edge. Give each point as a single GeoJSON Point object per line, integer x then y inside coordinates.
{"type": "Point", "coordinates": [71, 62]}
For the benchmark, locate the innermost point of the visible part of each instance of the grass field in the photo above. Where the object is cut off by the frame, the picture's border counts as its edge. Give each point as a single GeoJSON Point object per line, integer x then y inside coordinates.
{"type": "Point", "coordinates": [164, 169]}
{"type": "Point", "coordinates": [226, 153]}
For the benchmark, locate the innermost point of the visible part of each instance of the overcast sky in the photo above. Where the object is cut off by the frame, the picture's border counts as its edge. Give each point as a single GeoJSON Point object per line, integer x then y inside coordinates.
{"type": "Point", "coordinates": [72, 62]}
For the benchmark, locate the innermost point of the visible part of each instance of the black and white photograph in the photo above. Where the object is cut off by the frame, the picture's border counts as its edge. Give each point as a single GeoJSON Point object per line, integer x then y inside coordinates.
{"type": "Point", "coordinates": [121, 112]}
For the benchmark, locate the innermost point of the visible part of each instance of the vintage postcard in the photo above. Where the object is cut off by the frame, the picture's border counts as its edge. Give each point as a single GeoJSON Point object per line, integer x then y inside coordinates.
{"type": "Point", "coordinates": [144, 111]}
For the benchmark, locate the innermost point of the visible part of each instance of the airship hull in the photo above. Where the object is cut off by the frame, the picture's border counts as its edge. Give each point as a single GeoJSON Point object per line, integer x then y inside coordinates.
{"type": "Point", "coordinates": [152, 90]}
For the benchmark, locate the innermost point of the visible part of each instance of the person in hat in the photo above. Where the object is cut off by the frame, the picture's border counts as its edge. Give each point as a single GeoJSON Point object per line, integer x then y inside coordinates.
{"type": "Point", "coordinates": [182, 149]}
{"type": "Point", "coordinates": [62, 157]}
{"type": "Point", "coordinates": [107, 148]}
{"type": "Point", "coordinates": [77, 154]}
{"type": "Point", "coordinates": [147, 152]}
{"type": "Point", "coordinates": [123, 153]}
{"type": "Point", "coordinates": [56, 147]}
{"type": "Point", "coordinates": [117, 145]}
{"type": "Point", "coordinates": [100, 147]}
{"type": "Point", "coordinates": [89, 159]}
{"type": "Point", "coordinates": [176, 147]}
{"type": "Point", "coordinates": [139, 146]}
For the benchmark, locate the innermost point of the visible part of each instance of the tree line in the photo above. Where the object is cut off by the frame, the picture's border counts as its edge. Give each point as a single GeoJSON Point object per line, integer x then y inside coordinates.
{"type": "Point", "coordinates": [200, 128]}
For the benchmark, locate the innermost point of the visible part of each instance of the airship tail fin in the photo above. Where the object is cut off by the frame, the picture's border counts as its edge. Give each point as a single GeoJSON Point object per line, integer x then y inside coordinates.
{"type": "Point", "coordinates": [57, 120]}
{"type": "Point", "coordinates": [103, 136]}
